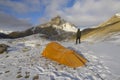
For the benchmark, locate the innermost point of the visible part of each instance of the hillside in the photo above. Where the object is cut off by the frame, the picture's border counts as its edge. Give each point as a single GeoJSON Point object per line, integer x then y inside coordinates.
{"type": "Point", "coordinates": [110, 27]}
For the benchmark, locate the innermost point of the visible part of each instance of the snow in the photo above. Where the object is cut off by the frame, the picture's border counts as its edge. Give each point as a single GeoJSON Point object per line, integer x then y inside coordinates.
{"type": "Point", "coordinates": [118, 14]}
{"type": "Point", "coordinates": [66, 27]}
{"type": "Point", "coordinates": [108, 53]}
{"type": "Point", "coordinates": [23, 58]}
{"type": "Point", "coordinates": [6, 32]}
{"type": "Point", "coordinates": [69, 27]}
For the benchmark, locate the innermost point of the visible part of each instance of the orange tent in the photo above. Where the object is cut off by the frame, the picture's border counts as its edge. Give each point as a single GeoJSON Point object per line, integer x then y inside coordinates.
{"type": "Point", "coordinates": [62, 55]}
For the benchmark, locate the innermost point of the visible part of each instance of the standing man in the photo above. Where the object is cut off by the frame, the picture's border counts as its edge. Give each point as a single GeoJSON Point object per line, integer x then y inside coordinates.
{"type": "Point", "coordinates": [78, 36]}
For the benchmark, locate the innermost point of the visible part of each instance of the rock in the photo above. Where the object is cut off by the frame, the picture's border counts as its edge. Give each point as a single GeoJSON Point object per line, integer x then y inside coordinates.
{"type": "Point", "coordinates": [56, 20]}
{"type": "Point", "coordinates": [3, 48]}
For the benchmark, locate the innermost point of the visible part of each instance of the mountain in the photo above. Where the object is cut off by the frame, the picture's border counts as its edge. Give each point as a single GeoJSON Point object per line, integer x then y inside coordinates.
{"type": "Point", "coordinates": [59, 23]}
{"type": "Point", "coordinates": [104, 30]}
{"type": "Point", "coordinates": [55, 29]}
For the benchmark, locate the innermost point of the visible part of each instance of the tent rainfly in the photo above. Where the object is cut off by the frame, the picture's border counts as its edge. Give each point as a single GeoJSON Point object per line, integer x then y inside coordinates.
{"type": "Point", "coordinates": [62, 55]}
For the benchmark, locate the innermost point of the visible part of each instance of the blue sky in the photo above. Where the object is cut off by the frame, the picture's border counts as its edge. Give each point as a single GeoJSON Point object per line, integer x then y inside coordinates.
{"type": "Point", "coordinates": [23, 14]}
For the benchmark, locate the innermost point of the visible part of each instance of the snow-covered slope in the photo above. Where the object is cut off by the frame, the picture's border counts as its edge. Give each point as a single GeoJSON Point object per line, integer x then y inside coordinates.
{"type": "Point", "coordinates": [108, 50]}
{"type": "Point", "coordinates": [23, 61]}
{"type": "Point", "coordinates": [108, 53]}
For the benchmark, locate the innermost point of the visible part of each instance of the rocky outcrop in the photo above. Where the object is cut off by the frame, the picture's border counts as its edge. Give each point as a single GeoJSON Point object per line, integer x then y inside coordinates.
{"type": "Point", "coordinates": [3, 48]}
{"type": "Point", "coordinates": [56, 20]}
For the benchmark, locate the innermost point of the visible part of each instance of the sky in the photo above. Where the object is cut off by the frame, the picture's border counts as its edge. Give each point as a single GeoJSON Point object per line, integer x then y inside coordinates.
{"type": "Point", "coordinates": [23, 14]}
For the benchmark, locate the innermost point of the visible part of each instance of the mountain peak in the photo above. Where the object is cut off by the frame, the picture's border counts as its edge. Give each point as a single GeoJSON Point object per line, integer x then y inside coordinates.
{"type": "Point", "coordinates": [56, 20]}
{"type": "Point", "coordinates": [60, 23]}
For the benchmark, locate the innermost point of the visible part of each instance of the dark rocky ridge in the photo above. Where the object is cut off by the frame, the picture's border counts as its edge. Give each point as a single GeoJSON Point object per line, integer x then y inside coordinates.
{"type": "Point", "coordinates": [2, 35]}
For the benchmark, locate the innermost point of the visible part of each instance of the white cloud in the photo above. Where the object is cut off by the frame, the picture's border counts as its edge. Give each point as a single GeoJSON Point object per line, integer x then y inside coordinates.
{"type": "Point", "coordinates": [84, 12]}
{"type": "Point", "coordinates": [23, 6]}
{"type": "Point", "coordinates": [8, 22]}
